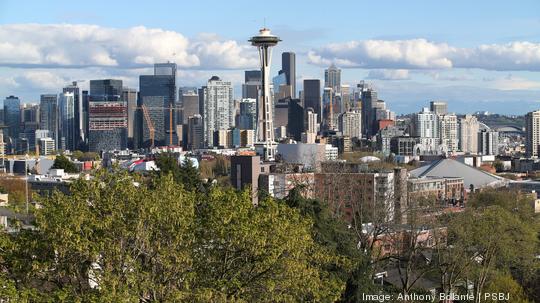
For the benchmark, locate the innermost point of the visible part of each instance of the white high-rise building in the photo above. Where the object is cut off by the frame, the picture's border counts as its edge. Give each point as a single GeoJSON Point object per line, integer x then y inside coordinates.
{"type": "Point", "coordinates": [218, 108]}
{"type": "Point", "coordinates": [532, 128]}
{"type": "Point", "coordinates": [350, 124]}
{"type": "Point", "coordinates": [426, 126]}
{"type": "Point", "coordinates": [448, 127]}
{"type": "Point", "coordinates": [468, 134]}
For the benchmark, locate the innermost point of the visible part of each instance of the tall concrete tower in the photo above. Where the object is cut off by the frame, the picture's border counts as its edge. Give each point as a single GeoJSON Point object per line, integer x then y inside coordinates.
{"type": "Point", "coordinates": [265, 145]}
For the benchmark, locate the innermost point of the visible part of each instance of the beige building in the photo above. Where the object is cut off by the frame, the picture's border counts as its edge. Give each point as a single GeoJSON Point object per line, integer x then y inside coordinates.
{"type": "Point", "coordinates": [468, 134]}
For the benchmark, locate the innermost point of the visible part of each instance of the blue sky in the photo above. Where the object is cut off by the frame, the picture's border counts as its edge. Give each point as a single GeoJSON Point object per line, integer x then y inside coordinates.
{"type": "Point", "coordinates": [478, 55]}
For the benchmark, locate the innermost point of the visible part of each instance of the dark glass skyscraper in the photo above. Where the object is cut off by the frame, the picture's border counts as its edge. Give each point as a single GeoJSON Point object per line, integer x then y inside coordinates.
{"type": "Point", "coordinates": [312, 96]}
{"type": "Point", "coordinates": [253, 82]}
{"type": "Point", "coordinates": [48, 115]}
{"type": "Point", "coordinates": [158, 93]}
{"type": "Point", "coordinates": [107, 87]}
{"type": "Point", "coordinates": [288, 66]}
{"type": "Point", "coordinates": [12, 117]}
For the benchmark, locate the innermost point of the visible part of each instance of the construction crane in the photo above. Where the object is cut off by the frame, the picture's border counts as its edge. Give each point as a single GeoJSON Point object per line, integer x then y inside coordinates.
{"type": "Point", "coordinates": [151, 128]}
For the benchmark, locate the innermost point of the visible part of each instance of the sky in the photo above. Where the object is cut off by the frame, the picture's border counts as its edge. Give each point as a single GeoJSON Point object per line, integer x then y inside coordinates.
{"type": "Point", "coordinates": [476, 55]}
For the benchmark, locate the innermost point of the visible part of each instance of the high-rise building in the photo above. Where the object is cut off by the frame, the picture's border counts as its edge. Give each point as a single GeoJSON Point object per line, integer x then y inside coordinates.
{"type": "Point", "coordinates": [106, 87]}
{"type": "Point", "coordinates": [332, 78]}
{"type": "Point", "coordinates": [107, 117]}
{"type": "Point", "coordinates": [295, 120]}
{"type": "Point", "coordinates": [468, 134]}
{"type": "Point", "coordinates": [328, 120]}
{"type": "Point", "coordinates": [369, 102]}
{"type": "Point", "coordinates": [247, 119]}
{"type": "Point", "coordinates": [350, 124]}
{"type": "Point", "coordinates": [195, 132]}
{"type": "Point", "coordinates": [189, 100]}
{"type": "Point", "coordinates": [130, 96]}
{"type": "Point", "coordinates": [157, 94]}
{"type": "Point", "coordinates": [488, 142]}
{"type": "Point", "coordinates": [252, 84]}
{"type": "Point", "coordinates": [79, 114]}
{"type": "Point", "coordinates": [46, 146]}
{"type": "Point", "coordinates": [532, 128]}
{"type": "Point", "coordinates": [288, 66]}
{"type": "Point", "coordinates": [312, 96]}
{"type": "Point", "coordinates": [426, 126]}
{"type": "Point", "coordinates": [448, 129]}
{"type": "Point", "coordinates": [345, 98]}
{"type": "Point", "coordinates": [67, 127]}
{"type": "Point", "coordinates": [12, 117]}
{"type": "Point", "coordinates": [218, 108]}
{"type": "Point", "coordinates": [48, 115]}
{"type": "Point", "coordinates": [438, 107]}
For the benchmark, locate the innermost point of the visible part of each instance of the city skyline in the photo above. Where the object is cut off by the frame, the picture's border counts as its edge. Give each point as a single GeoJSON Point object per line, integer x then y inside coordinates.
{"type": "Point", "coordinates": [411, 57]}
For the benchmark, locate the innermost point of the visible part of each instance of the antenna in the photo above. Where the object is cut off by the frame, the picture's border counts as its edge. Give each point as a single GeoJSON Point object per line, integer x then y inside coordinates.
{"type": "Point", "coordinates": [264, 22]}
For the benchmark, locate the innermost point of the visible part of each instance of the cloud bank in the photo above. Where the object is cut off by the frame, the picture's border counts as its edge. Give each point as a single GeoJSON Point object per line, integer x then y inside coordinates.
{"type": "Point", "coordinates": [424, 54]}
{"type": "Point", "coordinates": [80, 45]}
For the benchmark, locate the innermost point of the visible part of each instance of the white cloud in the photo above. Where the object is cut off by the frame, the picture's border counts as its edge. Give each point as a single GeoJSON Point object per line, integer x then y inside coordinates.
{"type": "Point", "coordinates": [80, 45]}
{"type": "Point", "coordinates": [389, 74]}
{"type": "Point", "coordinates": [423, 54]}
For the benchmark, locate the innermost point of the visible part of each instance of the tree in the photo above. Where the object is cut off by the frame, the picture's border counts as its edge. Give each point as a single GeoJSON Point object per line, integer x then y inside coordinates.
{"type": "Point", "coordinates": [483, 242]}
{"type": "Point", "coordinates": [62, 162]}
{"type": "Point", "coordinates": [334, 234]}
{"type": "Point", "coordinates": [117, 238]}
{"type": "Point", "coordinates": [186, 174]}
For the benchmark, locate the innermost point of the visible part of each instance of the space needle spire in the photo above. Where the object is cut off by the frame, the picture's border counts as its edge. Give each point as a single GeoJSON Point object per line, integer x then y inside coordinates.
{"type": "Point", "coordinates": [265, 144]}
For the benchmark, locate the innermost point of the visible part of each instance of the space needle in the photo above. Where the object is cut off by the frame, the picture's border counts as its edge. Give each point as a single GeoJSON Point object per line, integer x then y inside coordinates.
{"type": "Point", "coordinates": [265, 145]}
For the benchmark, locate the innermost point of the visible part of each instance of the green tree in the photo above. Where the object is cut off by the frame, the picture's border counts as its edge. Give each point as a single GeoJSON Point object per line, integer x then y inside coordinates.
{"type": "Point", "coordinates": [186, 174]}
{"type": "Point", "coordinates": [62, 162]}
{"type": "Point", "coordinates": [483, 242]}
{"type": "Point", "coordinates": [338, 239]}
{"type": "Point", "coordinates": [158, 242]}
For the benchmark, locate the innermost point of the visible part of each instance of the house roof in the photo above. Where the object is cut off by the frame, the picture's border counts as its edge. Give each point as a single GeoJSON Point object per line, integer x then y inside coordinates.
{"type": "Point", "coordinates": [445, 168]}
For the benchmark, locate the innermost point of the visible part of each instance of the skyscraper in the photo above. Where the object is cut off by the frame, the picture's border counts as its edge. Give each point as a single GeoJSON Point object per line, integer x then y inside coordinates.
{"type": "Point", "coordinates": [312, 96]}
{"type": "Point", "coordinates": [350, 124]}
{"type": "Point", "coordinates": [439, 107]}
{"type": "Point", "coordinates": [79, 114]}
{"type": "Point", "coordinates": [195, 132]}
{"type": "Point", "coordinates": [295, 123]}
{"type": "Point", "coordinates": [488, 142]}
{"type": "Point", "coordinates": [369, 100]}
{"type": "Point", "coordinates": [189, 99]}
{"type": "Point", "coordinates": [107, 116]}
{"type": "Point", "coordinates": [468, 134]}
{"type": "Point", "coordinates": [448, 129]}
{"type": "Point", "coordinates": [426, 126]}
{"type": "Point", "coordinates": [158, 95]}
{"type": "Point", "coordinates": [265, 129]}
{"type": "Point", "coordinates": [332, 78]}
{"type": "Point", "coordinates": [532, 128]}
{"type": "Point", "coordinates": [248, 114]}
{"type": "Point", "coordinates": [106, 87]}
{"type": "Point", "coordinates": [48, 115]}
{"type": "Point", "coordinates": [252, 84]}
{"type": "Point", "coordinates": [130, 96]}
{"type": "Point", "coordinates": [12, 117]}
{"type": "Point", "coordinates": [68, 140]}
{"type": "Point", "coordinates": [218, 108]}
{"type": "Point", "coordinates": [288, 66]}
